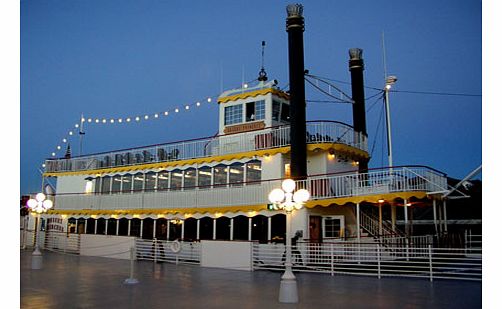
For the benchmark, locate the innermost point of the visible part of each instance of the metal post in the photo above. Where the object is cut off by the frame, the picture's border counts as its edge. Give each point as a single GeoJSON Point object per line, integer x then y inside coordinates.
{"type": "Point", "coordinates": [406, 227]}
{"type": "Point", "coordinates": [332, 260]}
{"type": "Point", "coordinates": [250, 228]}
{"type": "Point", "coordinates": [155, 250]}
{"type": "Point", "coordinates": [380, 224]}
{"type": "Point", "coordinates": [231, 228]}
{"type": "Point", "coordinates": [85, 226]}
{"type": "Point", "coordinates": [129, 227]}
{"type": "Point", "coordinates": [269, 229]}
{"type": "Point", "coordinates": [182, 231]}
{"type": "Point", "coordinates": [387, 120]}
{"type": "Point", "coordinates": [198, 230]}
{"type": "Point", "coordinates": [168, 228]}
{"type": "Point", "coordinates": [378, 260]}
{"type": "Point", "coordinates": [430, 262]}
{"type": "Point", "coordinates": [106, 226]}
{"type": "Point", "coordinates": [214, 229]}
{"type": "Point", "coordinates": [117, 226]}
{"type": "Point", "coordinates": [434, 214]}
{"type": "Point", "coordinates": [154, 229]}
{"type": "Point", "coordinates": [141, 228]}
{"type": "Point", "coordinates": [288, 292]}
{"type": "Point", "coordinates": [131, 279]}
{"type": "Point", "coordinates": [393, 216]}
{"type": "Point", "coordinates": [444, 216]}
{"type": "Point", "coordinates": [358, 218]}
{"type": "Point", "coordinates": [36, 256]}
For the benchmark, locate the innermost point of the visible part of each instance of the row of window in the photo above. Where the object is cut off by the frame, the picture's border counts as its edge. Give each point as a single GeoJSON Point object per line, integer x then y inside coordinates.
{"type": "Point", "coordinates": [220, 175]}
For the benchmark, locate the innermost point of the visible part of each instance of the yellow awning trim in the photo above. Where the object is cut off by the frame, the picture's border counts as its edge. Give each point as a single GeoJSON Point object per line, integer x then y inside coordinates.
{"type": "Point", "coordinates": [365, 198]}
{"type": "Point", "coordinates": [254, 93]}
{"type": "Point", "coordinates": [228, 157]}
{"type": "Point", "coordinates": [155, 211]}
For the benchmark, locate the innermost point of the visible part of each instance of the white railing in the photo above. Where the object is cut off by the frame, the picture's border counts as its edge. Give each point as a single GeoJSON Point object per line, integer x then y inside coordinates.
{"type": "Point", "coordinates": [62, 242]}
{"type": "Point", "coordinates": [317, 132]}
{"type": "Point", "coordinates": [372, 226]}
{"type": "Point", "coordinates": [372, 260]}
{"type": "Point", "coordinates": [253, 193]}
{"type": "Point", "coordinates": [161, 251]}
{"type": "Point", "coordinates": [388, 180]}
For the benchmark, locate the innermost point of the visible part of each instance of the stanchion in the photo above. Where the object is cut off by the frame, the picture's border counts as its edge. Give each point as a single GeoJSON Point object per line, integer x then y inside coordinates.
{"type": "Point", "coordinates": [131, 279]}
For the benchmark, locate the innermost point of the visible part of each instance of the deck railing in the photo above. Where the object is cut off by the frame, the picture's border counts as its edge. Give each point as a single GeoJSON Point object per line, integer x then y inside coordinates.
{"type": "Point", "coordinates": [396, 179]}
{"type": "Point", "coordinates": [317, 132]}
{"type": "Point", "coordinates": [373, 260]}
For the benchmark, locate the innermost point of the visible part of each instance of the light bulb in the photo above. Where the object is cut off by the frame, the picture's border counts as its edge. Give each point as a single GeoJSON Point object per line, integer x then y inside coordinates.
{"type": "Point", "coordinates": [288, 185]}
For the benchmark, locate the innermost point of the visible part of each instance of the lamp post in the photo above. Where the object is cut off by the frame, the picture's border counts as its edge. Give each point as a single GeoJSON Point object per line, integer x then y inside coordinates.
{"type": "Point", "coordinates": [288, 201]}
{"type": "Point", "coordinates": [389, 81]}
{"type": "Point", "coordinates": [38, 205]}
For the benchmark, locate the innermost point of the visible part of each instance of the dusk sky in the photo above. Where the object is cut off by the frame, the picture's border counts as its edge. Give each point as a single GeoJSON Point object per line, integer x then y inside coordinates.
{"type": "Point", "coordinates": [119, 59]}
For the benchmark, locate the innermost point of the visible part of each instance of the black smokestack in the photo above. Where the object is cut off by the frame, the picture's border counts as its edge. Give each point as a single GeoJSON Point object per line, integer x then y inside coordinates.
{"type": "Point", "coordinates": [295, 28]}
{"type": "Point", "coordinates": [356, 67]}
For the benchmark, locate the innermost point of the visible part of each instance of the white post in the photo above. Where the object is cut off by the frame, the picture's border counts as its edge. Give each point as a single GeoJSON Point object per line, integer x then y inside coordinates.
{"type": "Point", "coordinates": [389, 135]}
{"type": "Point", "coordinates": [182, 230]}
{"type": "Point", "coordinates": [36, 256]}
{"type": "Point", "coordinates": [358, 219]}
{"type": "Point", "coordinates": [250, 227]}
{"type": "Point", "coordinates": [131, 279]}
{"type": "Point", "coordinates": [332, 260]}
{"type": "Point", "coordinates": [288, 292]}
{"type": "Point", "coordinates": [85, 226]}
{"type": "Point", "coordinates": [154, 228]}
{"type": "Point", "coordinates": [141, 228]}
{"type": "Point", "coordinates": [198, 230]}
{"type": "Point", "coordinates": [430, 262]}
{"type": "Point", "coordinates": [214, 229]}
{"type": "Point", "coordinates": [393, 216]}
{"type": "Point", "coordinates": [269, 229]}
{"type": "Point", "coordinates": [380, 224]}
{"type": "Point", "coordinates": [378, 260]}
{"type": "Point", "coordinates": [168, 228]}
{"type": "Point", "coordinates": [231, 228]}
{"type": "Point", "coordinates": [117, 222]}
{"type": "Point", "coordinates": [129, 227]}
{"type": "Point", "coordinates": [434, 214]}
{"type": "Point", "coordinates": [106, 226]}
{"type": "Point", "coordinates": [95, 226]}
{"type": "Point", "coordinates": [406, 228]}
{"type": "Point", "coordinates": [444, 216]}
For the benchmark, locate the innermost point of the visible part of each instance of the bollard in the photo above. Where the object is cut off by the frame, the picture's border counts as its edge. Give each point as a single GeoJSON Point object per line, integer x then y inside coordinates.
{"type": "Point", "coordinates": [131, 279]}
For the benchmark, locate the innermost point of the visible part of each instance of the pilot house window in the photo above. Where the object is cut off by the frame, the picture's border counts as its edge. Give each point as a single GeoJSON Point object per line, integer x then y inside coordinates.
{"type": "Point", "coordinates": [255, 111]}
{"type": "Point", "coordinates": [233, 114]}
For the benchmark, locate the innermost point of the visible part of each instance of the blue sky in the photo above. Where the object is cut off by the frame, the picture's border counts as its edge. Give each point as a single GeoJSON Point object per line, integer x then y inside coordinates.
{"type": "Point", "coordinates": [112, 59]}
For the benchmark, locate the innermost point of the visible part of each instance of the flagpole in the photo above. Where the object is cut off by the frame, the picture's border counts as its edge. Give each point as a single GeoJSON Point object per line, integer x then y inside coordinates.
{"type": "Point", "coordinates": [81, 133]}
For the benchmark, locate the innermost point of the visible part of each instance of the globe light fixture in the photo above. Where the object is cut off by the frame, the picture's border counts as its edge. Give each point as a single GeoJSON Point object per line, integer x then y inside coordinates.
{"type": "Point", "coordinates": [288, 199]}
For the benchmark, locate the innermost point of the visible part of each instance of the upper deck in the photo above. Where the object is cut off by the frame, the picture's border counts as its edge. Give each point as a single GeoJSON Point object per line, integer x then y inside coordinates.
{"type": "Point", "coordinates": [252, 142]}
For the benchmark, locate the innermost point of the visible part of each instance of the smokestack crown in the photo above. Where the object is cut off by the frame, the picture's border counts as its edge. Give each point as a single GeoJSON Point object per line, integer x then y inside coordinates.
{"type": "Point", "coordinates": [294, 10]}
{"type": "Point", "coordinates": [356, 58]}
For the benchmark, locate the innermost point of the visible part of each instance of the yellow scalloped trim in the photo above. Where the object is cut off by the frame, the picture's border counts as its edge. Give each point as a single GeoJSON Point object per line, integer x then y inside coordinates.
{"type": "Point", "coordinates": [365, 198]}
{"type": "Point", "coordinates": [254, 93]}
{"type": "Point", "coordinates": [155, 211]}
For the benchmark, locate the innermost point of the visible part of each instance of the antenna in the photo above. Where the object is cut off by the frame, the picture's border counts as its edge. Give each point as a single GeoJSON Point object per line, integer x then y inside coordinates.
{"type": "Point", "coordinates": [384, 57]}
{"type": "Point", "coordinates": [262, 76]}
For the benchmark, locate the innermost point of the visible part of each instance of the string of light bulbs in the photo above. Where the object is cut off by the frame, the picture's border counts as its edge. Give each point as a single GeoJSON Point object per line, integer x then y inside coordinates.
{"type": "Point", "coordinates": [77, 129]}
